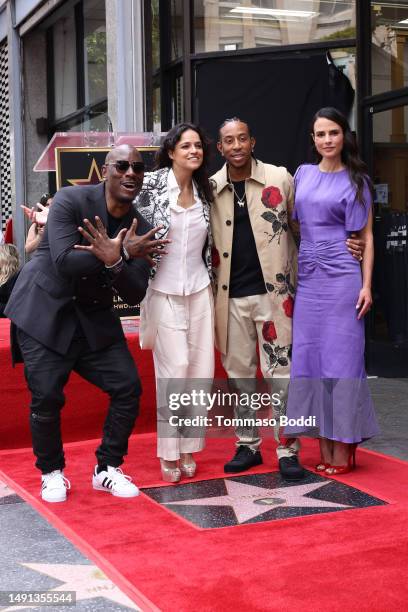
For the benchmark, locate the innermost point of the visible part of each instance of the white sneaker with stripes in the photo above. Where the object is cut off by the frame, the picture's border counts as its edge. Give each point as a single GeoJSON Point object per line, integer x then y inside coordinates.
{"type": "Point", "coordinates": [114, 481]}
{"type": "Point", "coordinates": [54, 486]}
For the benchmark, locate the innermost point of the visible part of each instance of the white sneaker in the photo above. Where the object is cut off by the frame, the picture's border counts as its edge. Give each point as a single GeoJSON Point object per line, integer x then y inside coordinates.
{"type": "Point", "coordinates": [54, 486]}
{"type": "Point", "coordinates": [114, 481]}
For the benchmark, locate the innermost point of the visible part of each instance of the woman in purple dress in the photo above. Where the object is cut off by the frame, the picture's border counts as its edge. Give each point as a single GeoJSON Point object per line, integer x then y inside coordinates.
{"type": "Point", "coordinates": [328, 394]}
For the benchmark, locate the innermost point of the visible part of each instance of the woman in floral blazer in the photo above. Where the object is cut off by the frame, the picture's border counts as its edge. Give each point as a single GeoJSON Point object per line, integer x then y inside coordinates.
{"type": "Point", "coordinates": [177, 320]}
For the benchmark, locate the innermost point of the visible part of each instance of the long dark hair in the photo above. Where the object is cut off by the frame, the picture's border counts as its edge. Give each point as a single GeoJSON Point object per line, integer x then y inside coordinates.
{"type": "Point", "coordinates": [349, 155]}
{"type": "Point", "coordinates": [169, 144]}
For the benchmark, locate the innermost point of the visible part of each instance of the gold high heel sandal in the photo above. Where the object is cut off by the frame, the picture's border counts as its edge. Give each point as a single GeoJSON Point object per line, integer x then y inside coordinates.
{"type": "Point", "coordinates": [188, 469]}
{"type": "Point", "coordinates": [170, 474]}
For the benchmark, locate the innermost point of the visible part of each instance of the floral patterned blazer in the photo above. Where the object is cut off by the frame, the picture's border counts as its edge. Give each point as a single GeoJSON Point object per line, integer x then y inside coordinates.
{"type": "Point", "coordinates": [269, 193]}
{"type": "Point", "coordinates": [153, 203]}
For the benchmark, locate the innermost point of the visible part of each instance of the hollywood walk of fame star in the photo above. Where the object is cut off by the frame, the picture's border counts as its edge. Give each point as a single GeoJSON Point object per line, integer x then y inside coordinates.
{"type": "Point", "coordinates": [93, 178]}
{"type": "Point", "coordinates": [248, 501]}
{"type": "Point", "coordinates": [5, 491]}
{"type": "Point", "coordinates": [88, 581]}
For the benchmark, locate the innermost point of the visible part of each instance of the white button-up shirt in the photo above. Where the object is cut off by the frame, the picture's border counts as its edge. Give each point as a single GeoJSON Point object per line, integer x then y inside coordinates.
{"type": "Point", "coordinates": [183, 271]}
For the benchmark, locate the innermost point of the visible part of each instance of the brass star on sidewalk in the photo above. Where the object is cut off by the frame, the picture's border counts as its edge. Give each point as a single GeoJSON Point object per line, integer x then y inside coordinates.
{"type": "Point", "coordinates": [248, 501]}
{"type": "Point", "coordinates": [88, 581]}
{"type": "Point", "coordinates": [5, 491]}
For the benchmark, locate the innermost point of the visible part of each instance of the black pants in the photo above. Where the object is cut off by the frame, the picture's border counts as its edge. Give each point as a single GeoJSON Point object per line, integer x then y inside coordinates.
{"type": "Point", "coordinates": [112, 369]}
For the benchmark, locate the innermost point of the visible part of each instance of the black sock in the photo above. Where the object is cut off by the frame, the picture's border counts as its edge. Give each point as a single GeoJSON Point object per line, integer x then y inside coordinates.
{"type": "Point", "coordinates": [101, 468]}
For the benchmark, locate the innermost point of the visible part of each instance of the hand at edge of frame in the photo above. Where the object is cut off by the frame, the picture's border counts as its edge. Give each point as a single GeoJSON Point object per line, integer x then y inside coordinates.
{"type": "Point", "coordinates": [36, 216]}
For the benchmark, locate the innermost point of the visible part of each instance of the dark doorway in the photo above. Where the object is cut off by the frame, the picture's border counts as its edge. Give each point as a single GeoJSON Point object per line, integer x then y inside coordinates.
{"type": "Point", "coordinates": [276, 94]}
{"type": "Point", "coordinates": [388, 328]}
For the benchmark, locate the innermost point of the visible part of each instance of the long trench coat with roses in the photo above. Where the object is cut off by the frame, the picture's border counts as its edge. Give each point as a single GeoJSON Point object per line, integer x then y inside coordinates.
{"type": "Point", "coordinates": [269, 193]}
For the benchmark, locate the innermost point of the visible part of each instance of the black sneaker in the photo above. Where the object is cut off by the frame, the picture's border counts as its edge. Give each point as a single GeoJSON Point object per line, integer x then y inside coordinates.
{"type": "Point", "coordinates": [290, 468]}
{"type": "Point", "coordinates": [243, 459]}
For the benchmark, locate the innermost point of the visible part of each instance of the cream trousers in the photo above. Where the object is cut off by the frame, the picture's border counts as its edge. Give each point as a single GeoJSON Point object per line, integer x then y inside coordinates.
{"type": "Point", "coordinates": [183, 355]}
{"type": "Point", "coordinates": [256, 321]}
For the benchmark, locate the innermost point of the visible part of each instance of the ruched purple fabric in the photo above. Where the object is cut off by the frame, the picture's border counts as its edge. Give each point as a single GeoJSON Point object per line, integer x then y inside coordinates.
{"type": "Point", "coordinates": [328, 380]}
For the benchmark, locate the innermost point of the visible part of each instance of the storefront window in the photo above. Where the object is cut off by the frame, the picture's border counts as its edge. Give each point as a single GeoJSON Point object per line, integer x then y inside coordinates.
{"type": "Point", "coordinates": [389, 22]}
{"type": "Point", "coordinates": [95, 50]}
{"type": "Point", "coordinates": [390, 311]}
{"type": "Point", "coordinates": [177, 114]}
{"type": "Point", "coordinates": [79, 78]}
{"type": "Point", "coordinates": [96, 121]}
{"type": "Point", "coordinates": [176, 12]}
{"type": "Point", "coordinates": [156, 110]}
{"type": "Point", "coordinates": [246, 24]}
{"type": "Point", "coordinates": [155, 49]}
{"type": "Point", "coordinates": [65, 66]}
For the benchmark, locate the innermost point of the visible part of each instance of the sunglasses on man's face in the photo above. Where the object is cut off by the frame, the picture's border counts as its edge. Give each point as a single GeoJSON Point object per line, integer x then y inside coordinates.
{"type": "Point", "coordinates": [123, 165]}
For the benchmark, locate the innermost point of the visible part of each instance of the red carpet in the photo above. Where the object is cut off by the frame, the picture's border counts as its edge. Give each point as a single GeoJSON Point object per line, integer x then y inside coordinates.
{"type": "Point", "coordinates": [342, 560]}
{"type": "Point", "coordinates": [85, 407]}
{"type": "Point", "coordinates": [346, 560]}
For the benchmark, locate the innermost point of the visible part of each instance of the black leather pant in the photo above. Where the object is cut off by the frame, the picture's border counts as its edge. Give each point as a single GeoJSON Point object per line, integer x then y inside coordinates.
{"type": "Point", "coordinates": [112, 369]}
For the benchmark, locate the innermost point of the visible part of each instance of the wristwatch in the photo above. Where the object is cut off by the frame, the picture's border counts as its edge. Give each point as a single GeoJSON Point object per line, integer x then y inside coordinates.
{"type": "Point", "coordinates": [115, 269]}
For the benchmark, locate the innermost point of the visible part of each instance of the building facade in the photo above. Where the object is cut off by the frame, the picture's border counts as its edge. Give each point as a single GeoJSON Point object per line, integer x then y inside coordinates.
{"type": "Point", "coordinates": [143, 65]}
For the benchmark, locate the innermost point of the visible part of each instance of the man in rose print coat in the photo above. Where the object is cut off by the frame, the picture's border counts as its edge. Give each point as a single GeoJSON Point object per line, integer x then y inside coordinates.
{"type": "Point", "coordinates": [254, 262]}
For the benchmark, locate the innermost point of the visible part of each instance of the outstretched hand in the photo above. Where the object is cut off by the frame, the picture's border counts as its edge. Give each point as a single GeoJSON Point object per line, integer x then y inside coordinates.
{"type": "Point", "coordinates": [36, 216]}
{"type": "Point", "coordinates": [104, 248]}
{"type": "Point", "coordinates": [145, 245]}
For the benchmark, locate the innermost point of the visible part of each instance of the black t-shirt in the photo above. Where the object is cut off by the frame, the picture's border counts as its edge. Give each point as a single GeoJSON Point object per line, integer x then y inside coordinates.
{"type": "Point", "coordinates": [113, 225]}
{"type": "Point", "coordinates": [246, 276]}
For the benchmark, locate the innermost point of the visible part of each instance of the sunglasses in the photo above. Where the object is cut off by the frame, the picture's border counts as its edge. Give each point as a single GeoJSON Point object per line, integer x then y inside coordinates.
{"type": "Point", "coordinates": [123, 166]}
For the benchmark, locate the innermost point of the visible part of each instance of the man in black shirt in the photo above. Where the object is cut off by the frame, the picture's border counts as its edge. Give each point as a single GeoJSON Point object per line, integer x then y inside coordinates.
{"type": "Point", "coordinates": [62, 306]}
{"type": "Point", "coordinates": [255, 283]}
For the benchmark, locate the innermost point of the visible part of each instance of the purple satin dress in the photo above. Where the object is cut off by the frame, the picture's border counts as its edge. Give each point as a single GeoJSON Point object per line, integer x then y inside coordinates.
{"type": "Point", "coordinates": [328, 391]}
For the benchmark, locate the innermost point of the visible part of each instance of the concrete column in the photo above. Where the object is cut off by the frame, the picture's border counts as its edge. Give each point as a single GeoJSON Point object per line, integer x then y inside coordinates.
{"type": "Point", "coordinates": [35, 106]}
{"type": "Point", "coordinates": [125, 65]}
{"type": "Point", "coordinates": [16, 129]}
